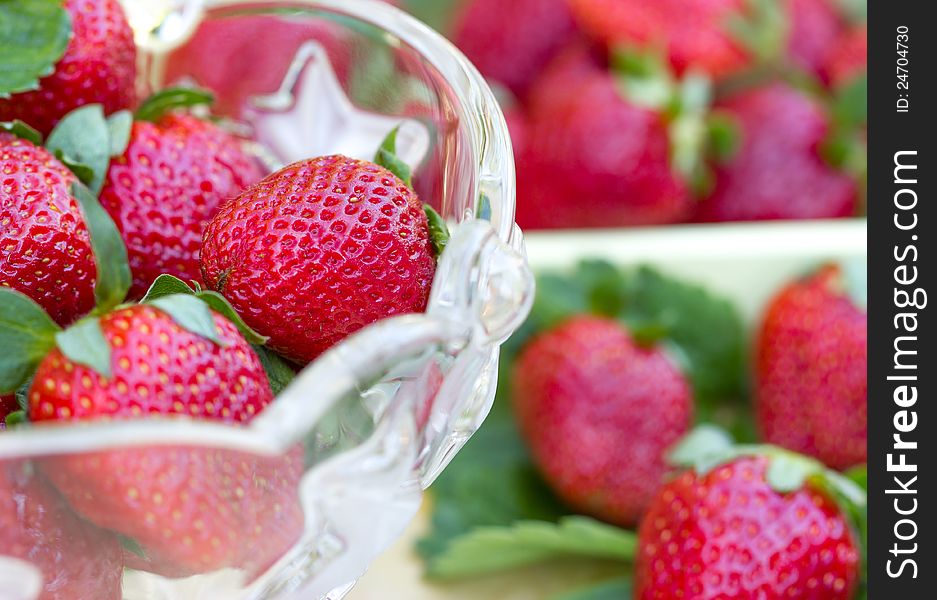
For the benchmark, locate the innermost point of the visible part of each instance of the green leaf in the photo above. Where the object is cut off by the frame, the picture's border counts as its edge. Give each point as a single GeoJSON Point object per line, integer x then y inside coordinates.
{"type": "Point", "coordinates": [22, 392]}
{"type": "Point", "coordinates": [84, 343]}
{"type": "Point", "coordinates": [119, 125]}
{"type": "Point", "coordinates": [644, 77]}
{"type": "Point", "coordinates": [702, 441]}
{"type": "Point", "coordinates": [614, 589]}
{"type": "Point", "coordinates": [438, 230]}
{"type": "Point", "coordinates": [221, 306]}
{"type": "Point", "coordinates": [491, 482]}
{"type": "Point", "coordinates": [15, 419]}
{"type": "Point", "coordinates": [788, 472]}
{"type": "Point", "coordinates": [724, 136]}
{"type": "Point", "coordinates": [153, 108]}
{"type": "Point", "coordinates": [190, 313]}
{"type": "Point", "coordinates": [166, 285]}
{"type": "Point", "coordinates": [859, 475]}
{"type": "Point", "coordinates": [387, 157]}
{"type": "Point", "coordinates": [279, 372]}
{"type": "Point", "coordinates": [82, 138]}
{"type": "Point", "coordinates": [22, 131]}
{"type": "Point", "coordinates": [489, 549]}
{"type": "Point", "coordinates": [110, 254]}
{"type": "Point", "coordinates": [33, 37]}
{"type": "Point", "coordinates": [27, 334]}
{"type": "Point", "coordinates": [762, 29]}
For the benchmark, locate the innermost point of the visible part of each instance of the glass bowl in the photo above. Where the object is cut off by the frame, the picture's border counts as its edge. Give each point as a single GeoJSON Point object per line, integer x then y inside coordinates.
{"type": "Point", "coordinates": [329, 474]}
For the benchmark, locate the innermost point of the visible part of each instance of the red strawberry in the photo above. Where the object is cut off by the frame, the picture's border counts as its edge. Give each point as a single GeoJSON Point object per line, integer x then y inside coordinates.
{"type": "Point", "coordinates": [77, 560]}
{"type": "Point", "coordinates": [598, 412]}
{"type": "Point", "coordinates": [729, 534]}
{"type": "Point", "coordinates": [8, 404]}
{"type": "Point", "coordinates": [848, 58]}
{"type": "Point", "coordinates": [318, 250]}
{"type": "Point", "coordinates": [99, 66]}
{"type": "Point", "coordinates": [511, 42]}
{"type": "Point", "coordinates": [777, 171]}
{"type": "Point", "coordinates": [190, 509]}
{"type": "Point", "coordinates": [693, 32]}
{"type": "Point", "coordinates": [574, 66]}
{"type": "Point", "coordinates": [814, 28]}
{"type": "Point", "coordinates": [595, 159]}
{"type": "Point", "coordinates": [45, 250]}
{"type": "Point", "coordinates": [163, 190]}
{"type": "Point", "coordinates": [811, 371]}
{"type": "Point", "coordinates": [243, 56]}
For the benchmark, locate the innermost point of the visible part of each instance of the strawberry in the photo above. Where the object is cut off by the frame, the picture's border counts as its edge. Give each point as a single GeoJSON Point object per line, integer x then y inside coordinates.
{"type": "Point", "coordinates": [776, 171]}
{"type": "Point", "coordinates": [814, 28]}
{"type": "Point", "coordinates": [811, 380]}
{"type": "Point", "coordinates": [8, 405]}
{"type": "Point", "coordinates": [318, 250]}
{"type": "Point", "coordinates": [99, 66]}
{"type": "Point", "coordinates": [583, 393]}
{"type": "Point", "coordinates": [243, 56]}
{"type": "Point", "coordinates": [848, 58]}
{"type": "Point", "coordinates": [694, 33]}
{"type": "Point", "coordinates": [741, 530]}
{"type": "Point", "coordinates": [189, 510]}
{"type": "Point", "coordinates": [45, 248]}
{"type": "Point", "coordinates": [511, 42]}
{"type": "Point", "coordinates": [77, 561]}
{"type": "Point", "coordinates": [163, 189]}
{"type": "Point", "coordinates": [597, 158]}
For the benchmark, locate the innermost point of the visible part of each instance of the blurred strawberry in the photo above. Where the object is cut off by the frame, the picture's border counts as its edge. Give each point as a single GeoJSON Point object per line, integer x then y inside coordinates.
{"type": "Point", "coordinates": [166, 186]}
{"type": "Point", "coordinates": [776, 170]}
{"type": "Point", "coordinates": [598, 412]}
{"type": "Point", "coordinates": [694, 33]}
{"type": "Point", "coordinates": [574, 65]}
{"type": "Point", "coordinates": [77, 561]}
{"type": "Point", "coordinates": [45, 249]}
{"type": "Point", "coordinates": [511, 42]}
{"type": "Point", "coordinates": [814, 27]}
{"type": "Point", "coordinates": [99, 66]}
{"type": "Point", "coordinates": [736, 531]}
{"type": "Point", "coordinates": [597, 157]}
{"type": "Point", "coordinates": [811, 371]}
{"type": "Point", "coordinates": [848, 57]}
{"type": "Point", "coordinates": [243, 56]}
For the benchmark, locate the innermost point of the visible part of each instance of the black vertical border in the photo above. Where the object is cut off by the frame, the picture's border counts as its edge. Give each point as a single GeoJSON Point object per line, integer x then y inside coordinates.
{"type": "Point", "coordinates": [890, 132]}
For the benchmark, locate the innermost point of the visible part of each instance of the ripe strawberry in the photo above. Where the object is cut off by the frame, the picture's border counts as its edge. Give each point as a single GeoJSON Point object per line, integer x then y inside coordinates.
{"type": "Point", "coordinates": [511, 42]}
{"type": "Point", "coordinates": [77, 560]}
{"type": "Point", "coordinates": [318, 250]}
{"type": "Point", "coordinates": [164, 188]}
{"type": "Point", "coordinates": [583, 393]}
{"type": "Point", "coordinates": [8, 404]}
{"type": "Point", "coordinates": [811, 371]}
{"type": "Point", "coordinates": [814, 28]}
{"type": "Point", "coordinates": [848, 57]}
{"type": "Point", "coordinates": [596, 159]}
{"type": "Point", "coordinates": [99, 66]}
{"type": "Point", "coordinates": [45, 249]}
{"type": "Point", "coordinates": [729, 533]}
{"type": "Point", "coordinates": [777, 171]}
{"type": "Point", "coordinates": [694, 33]}
{"type": "Point", "coordinates": [190, 509]}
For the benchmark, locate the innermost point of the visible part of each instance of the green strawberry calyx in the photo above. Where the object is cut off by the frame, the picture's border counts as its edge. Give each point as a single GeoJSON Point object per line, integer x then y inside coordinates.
{"type": "Point", "coordinates": [386, 157]}
{"type": "Point", "coordinates": [34, 35]}
{"type": "Point", "coordinates": [762, 29]}
{"type": "Point", "coordinates": [708, 447]}
{"type": "Point", "coordinates": [167, 100]}
{"type": "Point", "coordinates": [22, 131]}
{"type": "Point", "coordinates": [645, 79]}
